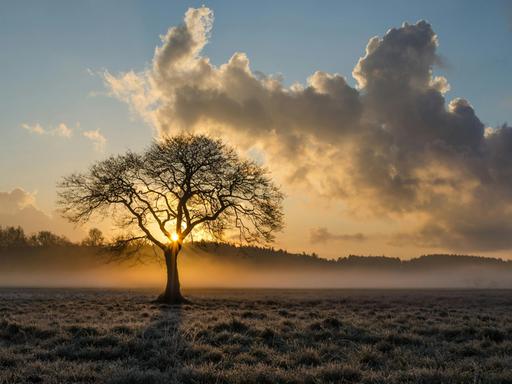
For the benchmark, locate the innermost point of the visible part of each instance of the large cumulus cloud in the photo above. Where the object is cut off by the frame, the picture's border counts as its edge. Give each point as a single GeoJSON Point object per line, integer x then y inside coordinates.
{"type": "Point", "coordinates": [391, 146]}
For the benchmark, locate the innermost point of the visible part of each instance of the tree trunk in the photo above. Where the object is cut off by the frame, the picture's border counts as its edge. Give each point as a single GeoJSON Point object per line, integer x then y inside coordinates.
{"type": "Point", "coordinates": [172, 293]}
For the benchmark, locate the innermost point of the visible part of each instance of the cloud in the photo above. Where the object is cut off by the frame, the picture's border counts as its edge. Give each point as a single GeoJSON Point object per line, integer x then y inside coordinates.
{"type": "Point", "coordinates": [15, 200]}
{"type": "Point", "coordinates": [36, 128]}
{"type": "Point", "coordinates": [322, 235]}
{"type": "Point", "coordinates": [18, 208]}
{"type": "Point", "coordinates": [392, 146]}
{"type": "Point", "coordinates": [61, 130]}
{"type": "Point", "coordinates": [97, 139]}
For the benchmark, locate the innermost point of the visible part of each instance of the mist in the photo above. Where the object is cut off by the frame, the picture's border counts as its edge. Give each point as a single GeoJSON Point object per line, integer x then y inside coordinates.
{"type": "Point", "coordinates": [225, 266]}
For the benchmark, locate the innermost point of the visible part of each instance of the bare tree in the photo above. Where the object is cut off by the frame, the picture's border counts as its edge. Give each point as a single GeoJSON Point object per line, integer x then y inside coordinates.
{"type": "Point", "coordinates": [178, 186]}
{"type": "Point", "coordinates": [95, 238]}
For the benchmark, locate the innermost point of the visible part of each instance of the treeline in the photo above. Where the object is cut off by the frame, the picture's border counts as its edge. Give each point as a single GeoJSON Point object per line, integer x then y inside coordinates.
{"type": "Point", "coordinates": [15, 237]}
{"type": "Point", "coordinates": [264, 255]}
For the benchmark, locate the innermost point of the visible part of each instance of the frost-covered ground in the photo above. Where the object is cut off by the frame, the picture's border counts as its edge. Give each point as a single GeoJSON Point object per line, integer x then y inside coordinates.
{"type": "Point", "coordinates": [256, 336]}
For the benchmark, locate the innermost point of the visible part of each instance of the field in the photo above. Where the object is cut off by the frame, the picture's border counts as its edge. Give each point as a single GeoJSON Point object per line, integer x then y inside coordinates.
{"type": "Point", "coordinates": [256, 336]}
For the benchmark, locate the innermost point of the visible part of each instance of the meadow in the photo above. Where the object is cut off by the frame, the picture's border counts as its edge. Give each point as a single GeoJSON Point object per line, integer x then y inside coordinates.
{"type": "Point", "coordinates": [256, 336]}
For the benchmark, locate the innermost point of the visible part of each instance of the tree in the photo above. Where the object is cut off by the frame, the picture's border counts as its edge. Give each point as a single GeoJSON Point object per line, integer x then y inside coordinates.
{"type": "Point", "coordinates": [48, 239]}
{"type": "Point", "coordinates": [179, 185]}
{"type": "Point", "coordinates": [12, 237]}
{"type": "Point", "coordinates": [95, 238]}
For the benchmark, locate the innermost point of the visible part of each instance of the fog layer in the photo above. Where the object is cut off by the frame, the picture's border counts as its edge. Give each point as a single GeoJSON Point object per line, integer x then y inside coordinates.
{"type": "Point", "coordinates": [223, 266]}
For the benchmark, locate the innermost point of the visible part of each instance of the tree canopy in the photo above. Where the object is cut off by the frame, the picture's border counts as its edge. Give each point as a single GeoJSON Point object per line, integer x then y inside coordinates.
{"type": "Point", "coordinates": [179, 185]}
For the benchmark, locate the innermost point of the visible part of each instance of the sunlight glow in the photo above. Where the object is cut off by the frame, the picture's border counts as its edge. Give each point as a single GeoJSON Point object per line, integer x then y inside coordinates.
{"type": "Point", "coordinates": [175, 237]}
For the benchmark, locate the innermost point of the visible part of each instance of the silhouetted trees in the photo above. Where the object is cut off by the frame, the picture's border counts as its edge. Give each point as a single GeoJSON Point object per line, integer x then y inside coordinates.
{"type": "Point", "coordinates": [14, 243]}
{"type": "Point", "coordinates": [95, 238]}
{"type": "Point", "coordinates": [11, 237]}
{"type": "Point", "coordinates": [178, 185]}
{"type": "Point", "coordinates": [15, 237]}
{"type": "Point", "coordinates": [48, 239]}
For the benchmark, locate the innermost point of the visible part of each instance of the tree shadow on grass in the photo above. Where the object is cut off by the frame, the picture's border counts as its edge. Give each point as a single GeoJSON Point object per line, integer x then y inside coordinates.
{"type": "Point", "coordinates": [156, 353]}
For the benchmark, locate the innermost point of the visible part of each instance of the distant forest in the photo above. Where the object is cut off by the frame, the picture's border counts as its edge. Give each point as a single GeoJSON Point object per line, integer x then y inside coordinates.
{"type": "Point", "coordinates": [15, 239]}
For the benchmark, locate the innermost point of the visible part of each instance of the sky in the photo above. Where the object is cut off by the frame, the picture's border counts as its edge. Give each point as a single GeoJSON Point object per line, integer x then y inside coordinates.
{"type": "Point", "coordinates": [373, 160]}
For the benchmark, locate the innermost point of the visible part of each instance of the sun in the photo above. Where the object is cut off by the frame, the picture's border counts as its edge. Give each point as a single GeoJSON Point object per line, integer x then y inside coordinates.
{"type": "Point", "coordinates": [175, 237]}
